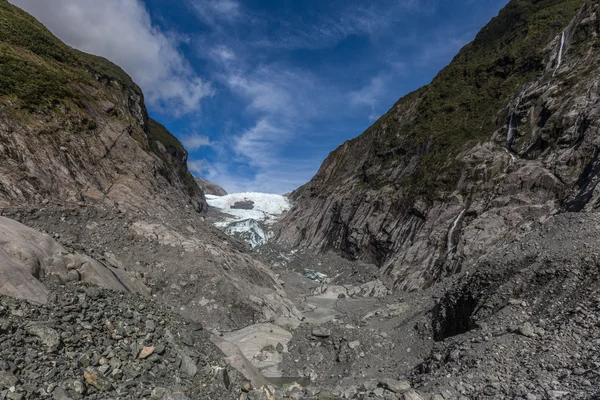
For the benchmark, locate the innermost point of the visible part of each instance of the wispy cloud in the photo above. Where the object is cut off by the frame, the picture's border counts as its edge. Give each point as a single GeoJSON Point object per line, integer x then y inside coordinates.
{"type": "Point", "coordinates": [214, 11]}
{"type": "Point", "coordinates": [370, 19]}
{"type": "Point", "coordinates": [370, 95]}
{"type": "Point", "coordinates": [194, 142]}
{"type": "Point", "coordinates": [259, 144]}
{"type": "Point", "coordinates": [198, 167]}
{"type": "Point", "coordinates": [272, 89]}
{"type": "Point", "coordinates": [122, 31]}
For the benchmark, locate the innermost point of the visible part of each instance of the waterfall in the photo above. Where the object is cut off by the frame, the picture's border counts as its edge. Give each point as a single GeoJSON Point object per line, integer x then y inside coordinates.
{"type": "Point", "coordinates": [512, 131]}
{"type": "Point", "coordinates": [512, 159]}
{"type": "Point", "coordinates": [450, 246]}
{"type": "Point", "coordinates": [560, 52]}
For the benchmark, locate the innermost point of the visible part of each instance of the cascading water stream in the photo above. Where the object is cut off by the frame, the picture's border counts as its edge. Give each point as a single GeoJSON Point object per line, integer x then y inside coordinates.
{"type": "Point", "coordinates": [560, 53]}
{"type": "Point", "coordinates": [512, 131]}
{"type": "Point", "coordinates": [450, 246]}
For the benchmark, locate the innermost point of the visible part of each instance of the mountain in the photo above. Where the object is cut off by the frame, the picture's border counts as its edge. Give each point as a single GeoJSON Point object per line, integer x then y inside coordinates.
{"type": "Point", "coordinates": [210, 188]}
{"type": "Point", "coordinates": [502, 138]}
{"type": "Point", "coordinates": [70, 121]}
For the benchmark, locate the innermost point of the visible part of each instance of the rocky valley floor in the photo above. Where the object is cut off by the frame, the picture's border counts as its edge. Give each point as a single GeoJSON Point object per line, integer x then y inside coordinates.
{"type": "Point", "coordinates": [521, 324]}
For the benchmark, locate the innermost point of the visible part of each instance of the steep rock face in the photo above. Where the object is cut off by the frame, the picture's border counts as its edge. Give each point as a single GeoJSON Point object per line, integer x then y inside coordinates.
{"type": "Point", "coordinates": [209, 187]}
{"type": "Point", "coordinates": [506, 135]}
{"type": "Point", "coordinates": [70, 122]}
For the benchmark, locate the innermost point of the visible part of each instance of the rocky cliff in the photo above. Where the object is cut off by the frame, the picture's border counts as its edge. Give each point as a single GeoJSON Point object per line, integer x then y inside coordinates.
{"type": "Point", "coordinates": [506, 135]}
{"type": "Point", "coordinates": [70, 122]}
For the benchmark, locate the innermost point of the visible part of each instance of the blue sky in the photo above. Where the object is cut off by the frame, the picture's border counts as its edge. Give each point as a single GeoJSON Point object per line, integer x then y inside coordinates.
{"type": "Point", "coordinates": [261, 91]}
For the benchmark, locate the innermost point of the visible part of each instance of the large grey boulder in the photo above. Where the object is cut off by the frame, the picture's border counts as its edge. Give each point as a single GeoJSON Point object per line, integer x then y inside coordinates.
{"type": "Point", "coordinates": [27, 255]}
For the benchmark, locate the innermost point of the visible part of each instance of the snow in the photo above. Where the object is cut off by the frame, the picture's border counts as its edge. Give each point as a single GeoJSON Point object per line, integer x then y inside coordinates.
{"type": "Point", "coordinates": [250, 225]}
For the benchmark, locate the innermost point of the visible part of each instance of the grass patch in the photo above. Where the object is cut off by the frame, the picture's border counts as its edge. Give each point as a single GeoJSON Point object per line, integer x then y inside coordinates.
{"type": "Point", "coordinates": [40, 71]}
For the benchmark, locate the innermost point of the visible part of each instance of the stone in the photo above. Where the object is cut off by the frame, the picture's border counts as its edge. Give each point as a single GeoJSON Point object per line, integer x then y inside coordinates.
{"type": "Point", "coordinates": [354, 344]}
{"type": "Point", "coordinates": [196, 326]}
{"type": "Point", "coordinates": [280, 349]}
{"type": "Point", "coordinates": [159, 393]}
{"type": "Point", "coordinates": [75, 385]}
{"type": "Point", "coordinates": [527, 330]}
{"type": "Point", "coordinates": [7, 380]}
{"type": "Point", "coordinates": [396, 386]}
{"type": "Point", "coordinates": [150, 326]}
{"type": "Point", "coordinates": [94, 378]}
{"type": "Point", "coordinates": [47, 335]}
{"type": "Point", "coordinates": [246, 385]}
{"type": "Point", "coordinates": [188, 366]}
{"type": "Point", "coordinates": [412, 395]}
{"type": "Point", "coordinates": [116, 373]}
{"type": "Point", "coordinates": [146, 352]}
{"type": "Point", "coordinates": [321, 332]}
{"type": "Point", "coordinates": [60, 394]}
{"type": "Point", "coordinates": [557, 394]}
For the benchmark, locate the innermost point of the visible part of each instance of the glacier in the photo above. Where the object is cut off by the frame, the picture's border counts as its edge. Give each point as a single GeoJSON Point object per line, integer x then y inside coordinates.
{"type": "Point", "coordinates": [250, 214]}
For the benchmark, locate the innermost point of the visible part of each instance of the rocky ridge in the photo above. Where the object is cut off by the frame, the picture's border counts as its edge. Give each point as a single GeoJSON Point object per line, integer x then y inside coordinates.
{"type": "Point", "coordinates": [82, 132]}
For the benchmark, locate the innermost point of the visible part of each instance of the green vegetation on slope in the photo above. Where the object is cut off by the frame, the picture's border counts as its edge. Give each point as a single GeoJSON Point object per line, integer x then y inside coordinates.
{"type": "Point", "coordinates": [158, 132]}
{"type": "Point", "coordinates": [461, 104]}
{"type": "Point", "coordinates": [40, 71]}
{"type": "Point", "coordinates": [107, 71]}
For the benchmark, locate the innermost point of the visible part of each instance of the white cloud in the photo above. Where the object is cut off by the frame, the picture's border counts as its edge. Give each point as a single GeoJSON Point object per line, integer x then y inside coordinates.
{"type": "Point", "coordinates": [122, 31]}
{"type": "Point", "coordinates": [194, 142]}
{"type": "Point", "coordinates": [283, 179]}
{"type": "Point", "coordinates": [273, 90]}
{"type": "Point", "coordinates": [198, 167]}
{"type": "Point", "coordinates": [223, 54]}
{"type": "Point", "coordinates": [259, 144]}
{"type": "Point", "coordinates": [369, 94]}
